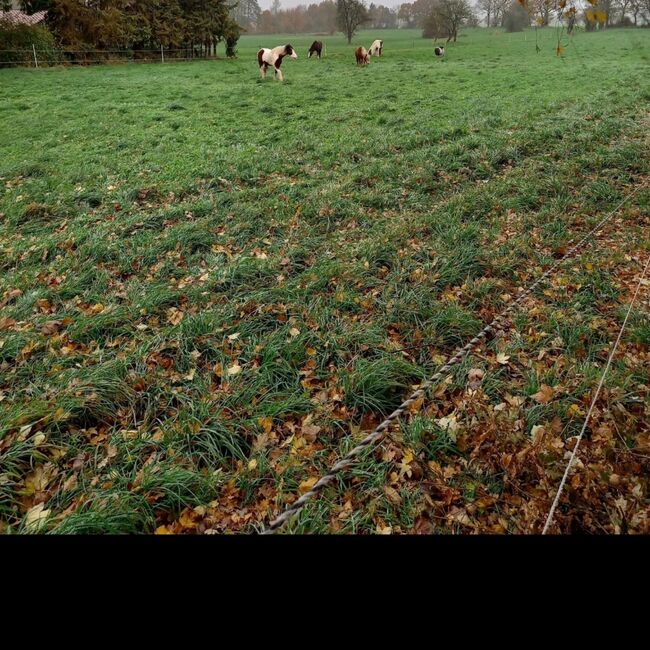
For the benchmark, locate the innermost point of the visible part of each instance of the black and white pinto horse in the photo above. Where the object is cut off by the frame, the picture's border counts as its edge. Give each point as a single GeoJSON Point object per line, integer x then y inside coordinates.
{"type": "Point", "coordinates": [273, 59]}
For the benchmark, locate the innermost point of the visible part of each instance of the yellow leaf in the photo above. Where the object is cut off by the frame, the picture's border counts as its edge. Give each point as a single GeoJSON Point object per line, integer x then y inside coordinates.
{"type": "Point", "coordinates": [186, 520]}
{"type": "Point", "coordinates": [252, 464]}
{"type": "Point", "coordinates": [503, 358]}
{"type": "Point", "coordinates": [574, 410]}
{"type": "Point", "coordinates": [35, 518]}
{"type": "Point", "coordinates": [163, 530]}
{"type": "Point", "coordinates": [294, 331]}
{"type": "Point", "coordinates": [307, 485]}
{"type": "Point", "coordinates": [38, 439]}
{"type": "Point", "coordinates": [235, 369]}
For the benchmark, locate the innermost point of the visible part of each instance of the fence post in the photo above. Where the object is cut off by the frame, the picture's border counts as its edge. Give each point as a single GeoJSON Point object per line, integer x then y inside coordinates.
{"type": "Point", "coordinates": [162, 54]}
{"type": "Point", "coordinates": [35, 57]}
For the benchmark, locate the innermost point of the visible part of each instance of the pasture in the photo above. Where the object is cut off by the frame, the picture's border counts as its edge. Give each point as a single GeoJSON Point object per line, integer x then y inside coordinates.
{"type": "Point", "coordinates": [211, 286]}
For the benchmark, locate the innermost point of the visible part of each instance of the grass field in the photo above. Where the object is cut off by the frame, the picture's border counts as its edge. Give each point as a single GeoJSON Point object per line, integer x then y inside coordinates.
{"type": "Point", "coordinates": [211, 286]}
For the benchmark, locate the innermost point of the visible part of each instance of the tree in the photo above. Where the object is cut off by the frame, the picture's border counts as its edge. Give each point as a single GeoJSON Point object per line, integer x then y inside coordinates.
{"type": "Point", "coordinates": [516, 18]}
{"type": "Point", "coordinates": [446, 18]}
{"type": "Point", "coordinates": [636, 7]}
{"type": "Point", "coordinates": [275, 7]}
{"type": "Point", "coordinates": [405, 13]}
{"type": "Point", "coordinates": [382, 17]}
{"type": "Point", "coordinates": [542, 9]}
{"type": "Point", "coordinates": [350, 15]}
{"type": "Point", "coordinates": [32, 6]}
{"type": "Point", "coordinates": [246, 13]}
{"type": "Point", "coordinates": [487, 7]}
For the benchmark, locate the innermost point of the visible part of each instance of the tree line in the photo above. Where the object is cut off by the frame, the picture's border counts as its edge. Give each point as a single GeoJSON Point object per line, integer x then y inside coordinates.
{"type": "Point", "coordinates": [436, 18]}
{"type": "Point", "coordinates": [594, 13]}
{"type": "Point", "coordinates": [317, 18]}
{"type": "Point", "coordinates": [193, 26]}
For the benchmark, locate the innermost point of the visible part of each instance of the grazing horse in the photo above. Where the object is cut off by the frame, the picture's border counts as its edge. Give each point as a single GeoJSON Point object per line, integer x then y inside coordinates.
{"type": "Point", "coordinates": [376, 48]}
{"type": "Point", "coordinates": [362, 56]}
{"type": "Point", "coordinates": [439, 51]}
{"type": "Point", "coordinates": [316, 48]}
{"type": "Point", "coordinates": [273, 59]}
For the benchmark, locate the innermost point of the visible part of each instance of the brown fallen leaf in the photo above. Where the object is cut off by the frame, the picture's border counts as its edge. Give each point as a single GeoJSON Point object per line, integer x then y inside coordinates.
{"type": "Point", "coordinates": [393, 495]}
{"type": "Point", "coordinates": [10, 295]}
{"type": "Point", "coordinates": [310, 432]}
{"type": "Point", "coordinates": [51, 327]}
{"type": "Point", "coordinates": [475, 377]}
{"type": "Point", "coordinates": [544, 395]}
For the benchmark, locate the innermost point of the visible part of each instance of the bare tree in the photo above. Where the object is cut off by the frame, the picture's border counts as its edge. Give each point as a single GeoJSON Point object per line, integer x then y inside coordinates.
{"type": "Point", "coordinates": [350, 15]}
{"type": "Point", "coordinates": [499, 8]}
{"type": "Point", "coordinates": [446, 19]}
{"type": "Point", "coordinates": [487, 7]}
{"type": "Point", "coordinates": [636, 7]}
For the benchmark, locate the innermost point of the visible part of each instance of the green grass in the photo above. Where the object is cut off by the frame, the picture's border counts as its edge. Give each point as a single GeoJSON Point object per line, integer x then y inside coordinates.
{"type": "Point", "coordinates": [176, 219]}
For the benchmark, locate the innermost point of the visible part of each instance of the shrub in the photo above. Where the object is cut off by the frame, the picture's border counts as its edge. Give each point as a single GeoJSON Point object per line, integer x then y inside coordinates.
{"type": "Point", "coordinates": [20, 39]}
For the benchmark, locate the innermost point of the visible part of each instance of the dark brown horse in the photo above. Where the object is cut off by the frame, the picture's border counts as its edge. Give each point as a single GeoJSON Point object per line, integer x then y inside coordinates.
{"type": "Point", "coordinates": [316, 48]}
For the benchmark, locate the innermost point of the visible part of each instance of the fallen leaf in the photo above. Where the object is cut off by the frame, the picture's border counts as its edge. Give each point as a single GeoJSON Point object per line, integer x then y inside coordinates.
{"type": "Point", "coordinates": [475, 377]}
{"type": "Point", "coordinates": [310, 432]}
{"type": "Point", "coordinates": [537, 433]}
{"type": "Point", "coordinates": [51, 327]}
{"type": "Point", "coordinates": [449, 424]}
{"type": "Point", "coordinates": [35, 518]}
{"type": "Point", "coordinates": [544, 395]}
{"type": "Point", "coordinates": [393, 495]}
{"type": "Point", "coordinates": [307, 485]}
{"type": "Point", "coordinates": [163, 530]}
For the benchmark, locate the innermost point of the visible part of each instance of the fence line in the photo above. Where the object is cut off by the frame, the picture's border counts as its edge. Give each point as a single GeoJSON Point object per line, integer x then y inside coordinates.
{"type": "Point", "coordinates": [37, 58]}
{"type": "Point", "coordinates": [572, 458]}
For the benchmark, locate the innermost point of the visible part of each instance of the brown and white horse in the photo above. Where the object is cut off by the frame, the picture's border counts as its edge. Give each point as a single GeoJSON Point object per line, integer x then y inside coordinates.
{"type": "Point", "coordinates": [376, 48]}
{"type": "Point", "coordinates": [273, 59]}
{"type": "Point", "coordinates": [362, 56]}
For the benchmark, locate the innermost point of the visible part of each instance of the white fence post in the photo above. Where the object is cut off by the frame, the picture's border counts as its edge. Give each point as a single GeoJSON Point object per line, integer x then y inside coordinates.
{"type": "Point", "coordinates": [35, 57]}
{"type": "Point", "coordinates": [162, 54]}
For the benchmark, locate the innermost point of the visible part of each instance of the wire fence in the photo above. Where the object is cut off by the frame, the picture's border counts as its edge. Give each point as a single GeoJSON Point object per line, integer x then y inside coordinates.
{"type": "Point", "coordinates": [39, 58]}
